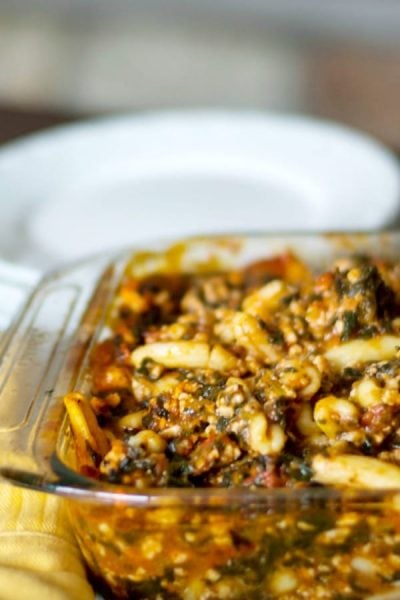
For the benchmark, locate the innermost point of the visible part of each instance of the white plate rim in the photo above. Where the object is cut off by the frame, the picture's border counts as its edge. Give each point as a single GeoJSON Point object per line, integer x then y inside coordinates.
{"type": "Point", "coordinates": [16, 155]}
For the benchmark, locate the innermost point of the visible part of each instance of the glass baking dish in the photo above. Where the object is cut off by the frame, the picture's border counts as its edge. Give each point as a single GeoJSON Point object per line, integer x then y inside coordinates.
{"type": "Point", "coordinates": [195, 544]}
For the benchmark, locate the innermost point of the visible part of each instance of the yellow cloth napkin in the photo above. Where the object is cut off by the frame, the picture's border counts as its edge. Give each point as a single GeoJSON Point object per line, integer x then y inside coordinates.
{"type": "Point", "coordinates": [38, 555]}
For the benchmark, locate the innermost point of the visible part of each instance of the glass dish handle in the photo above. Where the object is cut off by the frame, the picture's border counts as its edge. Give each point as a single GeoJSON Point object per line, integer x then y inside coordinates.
{"type": "Point", "coordinates": [16, 283]}
{"type": "Point", "coordinates": [39, 361]}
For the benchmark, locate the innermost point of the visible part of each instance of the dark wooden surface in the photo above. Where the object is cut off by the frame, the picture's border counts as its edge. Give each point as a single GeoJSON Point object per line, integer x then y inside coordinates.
{"type": "Point", "coordinates": [16, 122]}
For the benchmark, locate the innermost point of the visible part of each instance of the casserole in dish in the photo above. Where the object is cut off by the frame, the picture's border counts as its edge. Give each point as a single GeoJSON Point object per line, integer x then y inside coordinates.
{"type": "Point", "coordinates": [234, 434]}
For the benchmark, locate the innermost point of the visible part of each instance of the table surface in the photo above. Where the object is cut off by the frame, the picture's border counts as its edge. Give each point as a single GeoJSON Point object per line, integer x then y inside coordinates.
{"type": "Point", "coordinates": [16, 122]}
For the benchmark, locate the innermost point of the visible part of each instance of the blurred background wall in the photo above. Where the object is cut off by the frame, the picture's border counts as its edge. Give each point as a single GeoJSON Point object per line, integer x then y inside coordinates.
{"type": "Point", "coordinates": [65, 59]}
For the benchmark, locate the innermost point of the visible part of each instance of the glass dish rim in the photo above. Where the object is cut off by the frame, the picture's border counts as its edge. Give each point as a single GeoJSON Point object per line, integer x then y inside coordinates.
{"type": "Point", "coordinates": [72, 485]}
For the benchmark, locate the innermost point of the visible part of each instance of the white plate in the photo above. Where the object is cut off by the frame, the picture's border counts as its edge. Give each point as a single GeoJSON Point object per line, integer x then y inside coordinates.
{"type": "Point", "coordinates": [95, 185]}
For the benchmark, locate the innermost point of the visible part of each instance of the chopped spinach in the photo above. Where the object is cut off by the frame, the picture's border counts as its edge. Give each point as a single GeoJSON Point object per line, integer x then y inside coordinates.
{"type": "Point", "coordinates": [254, 567]}
{"type": "Point", "coordinates": [222, 424]}
{"type": "Point", "coordinates": [350, 324]}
